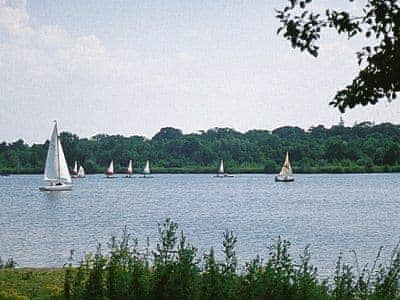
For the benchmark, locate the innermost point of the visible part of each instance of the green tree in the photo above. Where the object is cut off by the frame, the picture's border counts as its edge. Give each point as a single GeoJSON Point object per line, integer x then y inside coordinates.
{"type": "Point", "coordinates": [391, 154]}
{"type": "Point", "coordinates": [379, 59]}
{"type": "Point", "coordinates": [167, 133]}
{"type": "Point", "coordinates": [364, 146]}
{"type": "Point", "coordinates": [336, 149]}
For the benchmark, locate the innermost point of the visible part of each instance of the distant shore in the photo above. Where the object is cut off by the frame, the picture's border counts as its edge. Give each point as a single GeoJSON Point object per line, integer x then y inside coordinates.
{"type": "Point", "coordinates": [308, 170]}
{"type": "Point", "coordinates": [362, 148]}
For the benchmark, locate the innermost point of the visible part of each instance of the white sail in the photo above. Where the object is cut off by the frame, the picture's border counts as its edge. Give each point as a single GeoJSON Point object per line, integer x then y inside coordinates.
{"type": "Point", "coordinates": [75, 170]}
{"type": "Point", "coordinates": [146, 169]}
{"type": "Point", "coordinates": [51, 168]}
{"type": "Point", "coordinates": [130, 169]}
{"type": "Point", "coordinates": [286, 168]}
{"type": "Point", "coordinates": [81, 172]}
{"type": "Point", "coordinates": [221, 167]}
{"type": "Point", "coordinates": [110, 169]}
{"type": "Point", "coordinates": [64, 172]}
{"type": "Point", "coordinates": [56, 169]}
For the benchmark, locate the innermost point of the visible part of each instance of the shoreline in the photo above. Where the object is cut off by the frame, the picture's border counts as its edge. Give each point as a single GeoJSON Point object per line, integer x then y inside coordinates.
{"type": "Point", "coordinates": [237, 172]}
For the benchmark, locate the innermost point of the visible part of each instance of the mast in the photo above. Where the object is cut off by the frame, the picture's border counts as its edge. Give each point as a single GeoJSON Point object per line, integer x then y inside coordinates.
{"type": "Point", "coordinates": [58, 154]}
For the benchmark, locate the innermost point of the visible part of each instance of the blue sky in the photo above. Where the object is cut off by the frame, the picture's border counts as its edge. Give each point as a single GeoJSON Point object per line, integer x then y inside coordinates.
{"type": "Point", "coordinates": [132, 67]}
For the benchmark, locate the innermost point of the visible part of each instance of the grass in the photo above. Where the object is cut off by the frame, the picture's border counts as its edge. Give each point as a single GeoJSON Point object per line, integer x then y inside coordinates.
{"type": "Point", "coordinates": [31, 283]}
{"type": "Point", "coordinates": [175, 270]}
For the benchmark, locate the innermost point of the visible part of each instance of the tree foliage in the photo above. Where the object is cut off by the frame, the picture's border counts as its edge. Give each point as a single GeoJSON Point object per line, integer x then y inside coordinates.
{"type": "Point", "coordinates": [363, 147]}
{"type": "Point", "coordinates": [379, 59]}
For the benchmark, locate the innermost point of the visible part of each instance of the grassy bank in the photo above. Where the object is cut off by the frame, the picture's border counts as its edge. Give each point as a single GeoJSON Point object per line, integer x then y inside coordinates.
{"type": "Point", "coordinates": [175, 270]}
{"type": "Point", "coordinates": [31, 283]}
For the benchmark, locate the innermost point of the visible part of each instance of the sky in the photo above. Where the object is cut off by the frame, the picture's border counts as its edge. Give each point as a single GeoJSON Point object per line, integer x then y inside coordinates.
{"type": "Point", "coordinates": [132, 67]}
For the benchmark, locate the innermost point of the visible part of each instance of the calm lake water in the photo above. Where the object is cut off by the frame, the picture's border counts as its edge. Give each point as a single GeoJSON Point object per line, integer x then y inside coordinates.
{"type": "Point", "coordinates": [333, 213]}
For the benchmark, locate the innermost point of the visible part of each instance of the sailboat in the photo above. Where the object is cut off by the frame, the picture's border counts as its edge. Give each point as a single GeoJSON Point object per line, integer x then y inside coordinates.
{"type": "Point", "coordinates": [129, 171]}
{"type": "Point", "coordinates": [75, 170]}
{"type": "Point", "coordinates": [286, 173]}
{"type": "Point", "coordinates": [110, 170]}
{"type": "Point", "coordinates": [146, 169]}
{"type": "Point", "coordinates": [221, 171]}
{"type": "Point", "coordinates": [81, 172]}
{"type": "Point", "coordinates": [56, 172]}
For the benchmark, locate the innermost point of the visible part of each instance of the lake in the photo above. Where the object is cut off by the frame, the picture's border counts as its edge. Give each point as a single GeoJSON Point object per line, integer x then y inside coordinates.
{"type": "Point", "coordinates": [334, 213]}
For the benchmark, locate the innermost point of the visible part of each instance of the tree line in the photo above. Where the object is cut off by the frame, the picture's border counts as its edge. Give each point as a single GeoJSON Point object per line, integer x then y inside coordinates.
{"type": "Point", "coordinates": [364, 147]}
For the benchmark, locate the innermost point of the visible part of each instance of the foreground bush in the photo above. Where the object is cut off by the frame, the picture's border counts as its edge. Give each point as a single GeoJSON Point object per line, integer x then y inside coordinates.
{"type": "Point", "coordinates": [174, 271]}
{"type": "Point", "coordinates": [8, 264]}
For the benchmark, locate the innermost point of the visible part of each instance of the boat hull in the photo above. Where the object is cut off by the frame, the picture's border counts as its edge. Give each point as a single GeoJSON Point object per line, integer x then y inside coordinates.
{"type": "Point", "coordinates": [284, 178]}
{"type": "Point", "coordinates": [56, 188]}
{"type": "Point", "coordinates": [224, 176]}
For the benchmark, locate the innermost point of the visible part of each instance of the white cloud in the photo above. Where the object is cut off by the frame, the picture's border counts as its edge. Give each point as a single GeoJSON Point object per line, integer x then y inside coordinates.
{"type": "Point", "coordinates": [48, 50]}
{"type": "Point", "coordinates": [14, 19]}
{"type": "Point", "coordinates": [15, 3]}
{"type": "Point", "coordinates": [212, 74]}
{"type": "Point", "coordinates": [54, 36]}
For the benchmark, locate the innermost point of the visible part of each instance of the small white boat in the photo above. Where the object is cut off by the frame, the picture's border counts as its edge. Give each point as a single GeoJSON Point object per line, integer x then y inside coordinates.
{"type": "Point", "coordinates": [81, 172]}
{"type": "Point", "coordinates": [75, 170]}
{"type": "Point", "coordinates": [56, 187]}
{"type": "Point", "coordinates": [146, 170]}
{"type": "Point", "coordinates": [56, 172]}
{"type": "Point", "coordinates": [221, 171]}
{"type": "Point", "coordinates": [110, 170]}
{"type": "Point", "coordinates": [286, 173]}
{"type": "Point", "coordinates": [129, 171]}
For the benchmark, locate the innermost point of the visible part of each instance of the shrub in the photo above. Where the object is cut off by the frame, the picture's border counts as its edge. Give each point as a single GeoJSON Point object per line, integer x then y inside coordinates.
{"type": "Point", "coordinates": [174, 271]}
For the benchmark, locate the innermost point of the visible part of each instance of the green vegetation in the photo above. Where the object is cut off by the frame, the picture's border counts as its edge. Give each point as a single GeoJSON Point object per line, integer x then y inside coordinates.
{"type": "Point", "coordinates": [173, 270]}
{"type": "Point", "coordinates": [8, 264]}
{"type": "Point", "coordinates": [377, 21]}
{"type": "Point", "coordinates": [362, 148]}
{"type": "Point", "coordinates": [27, 283]}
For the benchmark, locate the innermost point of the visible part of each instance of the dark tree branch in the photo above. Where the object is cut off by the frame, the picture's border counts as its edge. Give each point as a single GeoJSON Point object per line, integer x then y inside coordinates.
{"type": "Point", "coordinates": [380, 78]}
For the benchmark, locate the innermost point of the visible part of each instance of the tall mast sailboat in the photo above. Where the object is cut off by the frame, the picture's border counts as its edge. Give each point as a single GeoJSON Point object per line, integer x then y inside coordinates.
{"type": "Point", "coordinates": [286, 173]}
{"type": "Point", "coordinates": [129, 171]}
{"type": "Point", "coordinates": [56, 172]}
{"type": "Point", "coordinates": [110, 170]}
{"type": "Point", "coordinates": [146, 169]}
{"type": "Point", "coordinates": [221, 170]}
{"type": "Point", "coordinates": [81, 172]}
{"type": "Point", "coordinates": [75, 170]}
